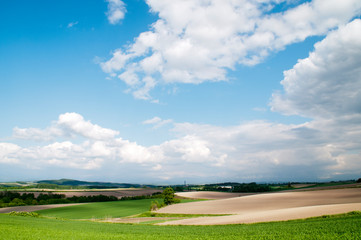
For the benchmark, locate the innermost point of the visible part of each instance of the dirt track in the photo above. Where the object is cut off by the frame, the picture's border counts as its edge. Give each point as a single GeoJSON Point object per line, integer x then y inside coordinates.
{"type": "Point", "coordinates": [269, 207]}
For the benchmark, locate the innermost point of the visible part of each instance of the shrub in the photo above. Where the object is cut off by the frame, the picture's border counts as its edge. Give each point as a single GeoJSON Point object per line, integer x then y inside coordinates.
{"type": "Point", "coordinates": [25, 214]}
{"type": "Point", "coordinates": [17, 202]}
{"type": "Point", "coordinates": [155, 205]}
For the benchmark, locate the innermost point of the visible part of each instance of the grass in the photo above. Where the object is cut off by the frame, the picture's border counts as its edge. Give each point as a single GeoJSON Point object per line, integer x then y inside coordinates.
{"type": "Point", "coordinates": [345, 226]}
{"type": "Point", "coordinates": [97, 210]}
{"type": "Point", "coordinates": [101, 210]}
{"type": "Point", "coordinates": [172, 215]}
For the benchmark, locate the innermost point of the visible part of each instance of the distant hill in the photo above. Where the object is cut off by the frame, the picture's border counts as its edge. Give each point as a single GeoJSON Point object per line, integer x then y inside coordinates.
{"type": "Point", "coordinates": [72, 182]}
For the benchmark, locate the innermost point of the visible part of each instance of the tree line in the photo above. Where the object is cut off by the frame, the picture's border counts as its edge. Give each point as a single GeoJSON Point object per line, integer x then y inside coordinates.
{"type": "Point", "coordinates": [10, 199]}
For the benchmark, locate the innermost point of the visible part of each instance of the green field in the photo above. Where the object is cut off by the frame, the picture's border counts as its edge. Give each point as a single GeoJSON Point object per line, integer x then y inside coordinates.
{"type": "Point", "coordinates": [346, 226]}
{"type": "Point", "coordinates": [100, 209]}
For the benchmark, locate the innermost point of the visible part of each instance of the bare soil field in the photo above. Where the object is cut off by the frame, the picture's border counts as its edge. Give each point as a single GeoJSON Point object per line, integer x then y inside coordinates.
{"type": "Point", "coordinates": [33, 208]}
{"type": "Point", "coordinates": [211, 195]}
{"type": "Point", "coordinates": [119, 193]}
{"type": "Point", "coordinates": [269, 207]}
{"type": "Point", "coordinates": [353, 185]}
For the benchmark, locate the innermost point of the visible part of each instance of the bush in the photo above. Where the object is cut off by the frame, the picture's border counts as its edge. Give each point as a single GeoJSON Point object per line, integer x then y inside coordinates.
{"type": "Point", "coordinates": [16, 202]}
{"type": "Point", "coordinates": [25, 214]}
{"type": "Point", "coordinates": [155, 205]}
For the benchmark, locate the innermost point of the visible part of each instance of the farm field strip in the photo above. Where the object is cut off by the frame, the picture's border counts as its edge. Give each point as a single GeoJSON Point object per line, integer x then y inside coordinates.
{"type": "Point", "coordinates": [346, 226]}
{"type": "Point", "coordinates": [271, 215]}
{"type": "Point", "coordinates": [33, 208]}
{"type": "Point", "coordinates": [119, 192]}
{"type": "Point", "coordinates": [284, 205]}
{"type": "Point", "coordinates": [100, 210]}
{"type": "Point", "coordinates": [247, 209]}
{"type": "Point", "coordinates": [211, 195]}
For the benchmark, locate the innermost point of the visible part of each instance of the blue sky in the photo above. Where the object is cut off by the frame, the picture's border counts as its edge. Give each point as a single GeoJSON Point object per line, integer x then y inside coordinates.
{"type": "Point", "coordinates": [166, 91]}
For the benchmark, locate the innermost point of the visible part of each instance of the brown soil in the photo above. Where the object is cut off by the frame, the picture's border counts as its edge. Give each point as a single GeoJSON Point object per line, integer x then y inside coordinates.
{"type": "Point", "coordinates": [211, 195]}
{"type": "Point", "coordinates": [109, 192]}
{"type": "Point", "coordinates": [269, 206]}
{"type": "Point", "coordinates": [33, 208]}
{"type": "Point", "coordinates": [352, 185]}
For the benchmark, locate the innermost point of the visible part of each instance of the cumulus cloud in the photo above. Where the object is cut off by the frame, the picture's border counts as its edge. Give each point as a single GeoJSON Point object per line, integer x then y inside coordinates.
{"type": "Point", "coordinates": [68, 125]}
{"type": "Point", "coordinates": [36, 134]}
{"type": "Point", "coordinates": [8, 152]}
{"type": "Point", "coordinates": [327, 83]}
{"type": "Point", "coordinates": [324, 87]}
{"type": "Point", "coordinates": [188, 148]}
{"type": "Point", "coordinates": [116, 11]}
{"type": "Point", "coordinates": [264, 150]}
{"type": "Point", "coordinates": [261, 150]}
{"type": "Point", "coordinates": [198, 41]}
{"type": "Point", "coordinates": [75, 124]}
{"type": "Point", "coordinates": [99, 144]}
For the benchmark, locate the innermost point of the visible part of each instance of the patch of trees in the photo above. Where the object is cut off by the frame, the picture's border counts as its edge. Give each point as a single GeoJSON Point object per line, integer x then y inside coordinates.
{"type": "Point", "coordinates": [154, 195]}
{"type": "Point", "coordinates": [85, 184]}
{"type": "Point", "coordinates": [251, 187]}
{"type": "Point", "coordinates": [238, 187]}
{"type": "Point", "coordinates": [168, 199]}
{"type": "Point", "coordinates": [10, 199]}
{"type": "Point", "coordinates": [95, 198]}
{"type": "Point", "coordinates": [56, 186]}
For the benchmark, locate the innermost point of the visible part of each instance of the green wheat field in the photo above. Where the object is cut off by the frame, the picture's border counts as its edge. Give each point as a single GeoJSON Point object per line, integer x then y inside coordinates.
{"type": "Point", "coordinates": [61, 223]}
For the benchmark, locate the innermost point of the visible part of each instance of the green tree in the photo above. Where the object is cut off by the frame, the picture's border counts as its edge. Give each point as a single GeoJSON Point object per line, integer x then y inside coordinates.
{"type": "Point", "coordinates": [16, 202]}
{"type": "Point", "coordinates": [168, 196]}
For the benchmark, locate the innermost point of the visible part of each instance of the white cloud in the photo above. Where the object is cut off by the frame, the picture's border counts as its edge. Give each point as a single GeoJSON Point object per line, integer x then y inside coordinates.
{"type": "Point", "coordinates": [116, 11]}
{"type": "Point", "coordinates": [116, 63]}
{"type": "Point", "coordinates": [157, 122]}
{"type": "Point", "coordinates": [327, 83]}
{"type": "Point", "coordinates": [74, 123]}
{"type": "Point", "coordinates": [275, 151]}
{"type": "Point", "coordinates": [198, 41]}
{"type": "Point", "coordinates": [8, 152]}
{"type": "Point", "coordinates": [36, 134]}
{"type": "Point", "coordinates": [188, 148]}
{"type": "Point", "coordinates": [157, 167]}
{"type": "Point", "coordinates": [143, 92]}
{"type": "Point", "coordinates": [255, 150]}
{"type": "Point", "coordinates": [72, 24]}
{"type": "Point", "coordinates": [68, 125]}
{"type": "Point", "coordinates": [201, 46]}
